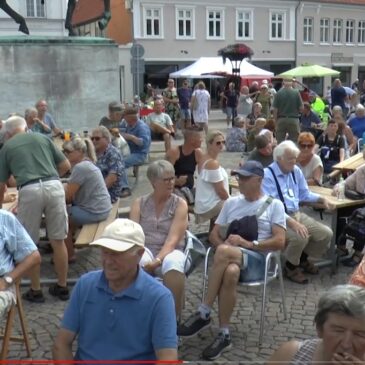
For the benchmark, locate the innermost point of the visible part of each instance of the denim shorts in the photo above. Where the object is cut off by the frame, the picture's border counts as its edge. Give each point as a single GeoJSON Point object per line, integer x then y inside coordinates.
{"type": "Point", "coordinates": [81, 216]}
{"type": "Point", "coordinates": [253, 266]}
{"type": "Point", "coordinates": [185, 114]}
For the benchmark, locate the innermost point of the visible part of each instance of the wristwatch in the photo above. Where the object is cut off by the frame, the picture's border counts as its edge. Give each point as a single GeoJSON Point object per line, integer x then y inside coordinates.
{"type": "Point", "coordinates": [255, 242]}
{"type": "Point", "coordinates": [9, 280]}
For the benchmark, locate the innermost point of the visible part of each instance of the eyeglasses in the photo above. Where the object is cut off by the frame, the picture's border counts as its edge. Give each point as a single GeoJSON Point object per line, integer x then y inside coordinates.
{"type": "Point", "coordinates": [218, 143]}
{"type": "Point", "coordinates": [95, 138]}
{"type": "Point", "coordinates": [303, 145]}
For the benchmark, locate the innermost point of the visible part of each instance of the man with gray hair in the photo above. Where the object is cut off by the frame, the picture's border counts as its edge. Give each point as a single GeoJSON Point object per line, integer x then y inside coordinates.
{"type": "Point", "coordinates": [305, 236]}
{"type": "Point", "coordinates": [287, 107]}
{"type": "Point", "coordinates": [34, 124]}
{"type": "Point", "coordinates": [36, 164]}
{"type": "Point", "coordinates": [357, 123]}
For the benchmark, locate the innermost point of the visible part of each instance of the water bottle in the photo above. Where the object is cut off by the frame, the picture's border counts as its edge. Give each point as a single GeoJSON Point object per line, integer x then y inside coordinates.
{"type": "Point", "coordinates": [341, 189]}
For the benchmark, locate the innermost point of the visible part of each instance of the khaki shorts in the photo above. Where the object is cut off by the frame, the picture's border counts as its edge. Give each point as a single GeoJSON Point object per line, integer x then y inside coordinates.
{"type": "Point", "coordinates": [48, 198]}
{"type": "Point", "coordinates": [7, 299]}
{"type": "Point", "coordinates": [210, 214]}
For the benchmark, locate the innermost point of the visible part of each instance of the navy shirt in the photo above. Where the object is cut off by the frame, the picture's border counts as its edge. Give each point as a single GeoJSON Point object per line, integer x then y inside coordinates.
{"type": "Point", "coordinates": [184, 95]}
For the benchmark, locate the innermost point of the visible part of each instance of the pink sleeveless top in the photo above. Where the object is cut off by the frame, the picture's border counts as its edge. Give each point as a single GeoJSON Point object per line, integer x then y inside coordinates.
{"type": "Point", "coordinates": [157, 229]}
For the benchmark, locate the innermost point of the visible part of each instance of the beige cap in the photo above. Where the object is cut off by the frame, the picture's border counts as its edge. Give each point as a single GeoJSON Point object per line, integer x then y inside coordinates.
{"type": "Point", "coordinates": [121, 235]}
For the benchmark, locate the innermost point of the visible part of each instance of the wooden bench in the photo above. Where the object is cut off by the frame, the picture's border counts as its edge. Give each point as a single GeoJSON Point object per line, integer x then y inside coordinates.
{"type": "Point", "coordinates": [93, 231]}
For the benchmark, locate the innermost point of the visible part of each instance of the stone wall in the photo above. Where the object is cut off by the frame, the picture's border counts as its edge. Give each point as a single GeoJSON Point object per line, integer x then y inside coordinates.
{"type": "Point", "coordinates": [78, 77]}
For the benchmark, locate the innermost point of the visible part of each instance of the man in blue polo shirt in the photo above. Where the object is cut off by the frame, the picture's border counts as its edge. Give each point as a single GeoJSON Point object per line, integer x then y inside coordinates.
{"type": "Point", "coordinates": [120, 312]}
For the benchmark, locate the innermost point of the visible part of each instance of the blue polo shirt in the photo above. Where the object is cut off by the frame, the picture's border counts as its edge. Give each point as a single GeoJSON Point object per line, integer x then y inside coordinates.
{"type": "Point", "coordinates": [130, 325]}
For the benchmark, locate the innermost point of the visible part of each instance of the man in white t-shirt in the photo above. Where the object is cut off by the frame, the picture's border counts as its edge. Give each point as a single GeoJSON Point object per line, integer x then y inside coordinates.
{"type": "Point", "coordinates": [161, 124]}
{"type": "Point", "coordinates": [228, 257]}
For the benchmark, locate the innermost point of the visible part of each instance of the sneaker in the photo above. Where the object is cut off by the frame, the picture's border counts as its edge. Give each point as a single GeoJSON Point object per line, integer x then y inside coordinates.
{"type": "Point", "coordinates": [59, 291]}
{"type": "Point", "coordinates": [35, 296]}
{"type": "Point", "coordinates": [193, 325]}
{"type": "Point", "coordinates": [221, 344]}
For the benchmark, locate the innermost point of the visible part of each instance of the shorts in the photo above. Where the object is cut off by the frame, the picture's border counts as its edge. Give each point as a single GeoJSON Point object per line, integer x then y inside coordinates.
{"type": "Point", "coordinates": [48, 198]}
{"type": "Point", "coordinates": [231, 112]}
{"type": "Point", "coordinates": [7, 299]}
{"type": "Point", "coordinates": [175, 260]}
{"type": "Point", "coordinates": [81, 216]}
{"type": "Point", "coordinates": [185, 114]}
{"type": "Point", "coordinates": [156, 136]}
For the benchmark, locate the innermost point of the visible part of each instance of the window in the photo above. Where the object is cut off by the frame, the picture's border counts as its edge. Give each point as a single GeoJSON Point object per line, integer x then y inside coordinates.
{"type": "Point", "coordinates": [244, 28]}
{"type": "Point", "coordinates": [350, 29]}
{"type": "Point", "coordinates": [361, 32]}
{"type": "Point", "coordinates": [337, 31]}
{"type": "Point", "coordinates": [324, 30]}
{"type": "Point", "coordinates": [215, 24]}
{"type": "Point", "coordinates": [153, 22]}
{"type": "Point", "coordinates": [277, 25]}
{"type": "Point", "coordinates": [35, 9]}
{"type": "Point", "coordinates": [184, 23]}
{"type": "Point", "coordinates": [308, 30]}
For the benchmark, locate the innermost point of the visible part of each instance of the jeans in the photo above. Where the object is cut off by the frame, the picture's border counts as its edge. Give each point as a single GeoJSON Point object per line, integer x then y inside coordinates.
{"type": "Point", "coordinates": [131, 160]}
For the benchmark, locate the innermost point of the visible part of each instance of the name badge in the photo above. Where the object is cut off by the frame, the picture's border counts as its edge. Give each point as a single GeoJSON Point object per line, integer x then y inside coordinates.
{"type": "Point", "coordinates": [291, 193]}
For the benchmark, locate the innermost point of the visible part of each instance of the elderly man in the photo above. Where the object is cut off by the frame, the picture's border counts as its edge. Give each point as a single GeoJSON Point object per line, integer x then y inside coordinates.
{"type": "Point", "coordinates": [305, 236]}
{"type": "Point", "coordinates": [287, 106]}
{"type": "Point", "coordinates": [338, 95]}
{"type": "Point", "coordinates": [115, 116]}
{"type": "Point", "coordinates": [269, 215]}
{"type": "Point", "coordinates": [263, 151]}
{"type": "Point", "coordinates": [120, 312]}
{"type": "Point", "coordinates": [45, 117]}
{"type": "Point", "coordinates": [160, 124]}
{"type": "Point", "coordinates": [185, 158]}
{"type": "Point", "coordinates": [34, 124]}
{"type": "Point", "coordinates": [138, 136]}
{"type": "Point", "coordinates": [357, 123]}
{"type": "Point", "coordinates": [309, 120]}
{"type": "Point", "coordinates": [109, 161]}
{"type": "Point", "coordinates": [18, 255]}
{"type": "Point", "coordinates": [36, 163]}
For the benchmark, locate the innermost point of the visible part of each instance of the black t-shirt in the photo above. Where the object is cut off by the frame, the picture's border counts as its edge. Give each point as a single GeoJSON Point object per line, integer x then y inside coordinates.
{"type": "Point", "coordinates": [330, 150]}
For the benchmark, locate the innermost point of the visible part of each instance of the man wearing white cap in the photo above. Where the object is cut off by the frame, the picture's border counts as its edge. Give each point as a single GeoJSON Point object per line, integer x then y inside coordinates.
{"type": "Point", "coordinates": [120, 312]}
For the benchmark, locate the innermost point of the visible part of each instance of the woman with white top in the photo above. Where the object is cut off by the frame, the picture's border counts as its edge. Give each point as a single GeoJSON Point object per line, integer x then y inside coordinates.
{"type": "Point", "coordinates": [200, 104]}
{"type": "Point", "coordinates": [212, 183]}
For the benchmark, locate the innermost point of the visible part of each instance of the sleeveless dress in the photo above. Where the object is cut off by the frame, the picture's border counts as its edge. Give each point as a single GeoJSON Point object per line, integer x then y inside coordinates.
{"type": "Point", "coordinates": [157, 229]}
{"type": "Point", "coordinates": [305, 353]}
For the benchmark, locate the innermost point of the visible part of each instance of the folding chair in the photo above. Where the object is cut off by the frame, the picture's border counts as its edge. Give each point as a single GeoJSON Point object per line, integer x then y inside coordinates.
{"type": "Point", "coordinates": [7, 337]}
{"type": "Point", "coordinates": [195, 252]}
{"type": "Point", "coordinates": [273, 271]}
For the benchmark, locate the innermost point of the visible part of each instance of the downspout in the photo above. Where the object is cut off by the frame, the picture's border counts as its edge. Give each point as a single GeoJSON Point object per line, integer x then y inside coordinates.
{"type": "Point", "coordinates": [296, 33]}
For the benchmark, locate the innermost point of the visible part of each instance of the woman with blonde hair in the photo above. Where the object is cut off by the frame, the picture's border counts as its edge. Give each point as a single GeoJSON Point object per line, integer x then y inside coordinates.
{"type": "Point", "coordinates": [85, 190]}
{"type": "Point", "coordinates": [309, 162]}
{"type": "Point", "coordinates": [212, 183]}
{"type": "Point", "coordinates": [200, 104]}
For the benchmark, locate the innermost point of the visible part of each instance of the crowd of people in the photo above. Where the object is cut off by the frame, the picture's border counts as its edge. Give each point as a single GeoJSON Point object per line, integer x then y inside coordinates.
{"type": "Point", "coordinates": [122, 311]}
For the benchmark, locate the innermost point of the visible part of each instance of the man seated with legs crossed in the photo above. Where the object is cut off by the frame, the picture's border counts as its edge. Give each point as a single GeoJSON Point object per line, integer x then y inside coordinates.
{"type": "Point", "coordinates": [305, 236]}
{"type": "Point", "coordinates": [269, 215]}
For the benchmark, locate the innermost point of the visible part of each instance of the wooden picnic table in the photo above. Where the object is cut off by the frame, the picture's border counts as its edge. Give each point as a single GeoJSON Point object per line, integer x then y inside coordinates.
{"type": "Point", "coordinates": [350, 164]}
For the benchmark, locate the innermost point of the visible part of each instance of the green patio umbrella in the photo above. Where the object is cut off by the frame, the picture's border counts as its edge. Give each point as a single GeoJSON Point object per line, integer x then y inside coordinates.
{"type": "Point", "coordinates": [309, 71]}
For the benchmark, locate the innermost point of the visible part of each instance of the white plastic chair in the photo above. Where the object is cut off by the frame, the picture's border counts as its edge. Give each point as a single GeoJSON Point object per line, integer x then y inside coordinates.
{"type": "Point", "coordinates": [273, 271]}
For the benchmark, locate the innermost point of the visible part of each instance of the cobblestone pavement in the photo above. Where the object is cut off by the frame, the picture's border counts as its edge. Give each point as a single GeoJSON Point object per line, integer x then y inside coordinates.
{"type": "Point", "coordinates": [44, 319]}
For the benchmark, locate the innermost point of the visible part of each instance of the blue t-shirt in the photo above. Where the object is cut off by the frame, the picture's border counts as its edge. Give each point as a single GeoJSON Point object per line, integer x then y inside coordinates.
{"type": "Point", "coordinates": [357, 126]}
{"type": "Point", "coordinates": [140, 130]}
{"type": "Point", "coordinates": [130, 325]}
{"type": "Point", "coordinates": [184, 95]}
{"type": "Point", "coordinates": [15, 242]}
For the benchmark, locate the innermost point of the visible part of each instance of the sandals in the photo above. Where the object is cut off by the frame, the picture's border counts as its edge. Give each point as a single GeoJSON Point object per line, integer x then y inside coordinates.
{"type": "Point", "coordinates": [295, 275]}
{"type": "Point", "coordinates": [309, 268]}
{"type": "Point", "coordinates": [59, 291]}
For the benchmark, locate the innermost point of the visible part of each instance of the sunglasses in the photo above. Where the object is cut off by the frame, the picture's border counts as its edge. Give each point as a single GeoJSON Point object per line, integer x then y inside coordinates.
{"type": "Point", "coordinates": [218, 143]}
{"type": "Point", "coordinates": [95, 138]}
{"type": "Point", "coordinates": [302, 145]}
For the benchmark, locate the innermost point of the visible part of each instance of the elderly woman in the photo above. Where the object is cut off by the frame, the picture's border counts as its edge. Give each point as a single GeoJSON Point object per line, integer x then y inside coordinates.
{"type": "Point", "coordinates": [164, 219]}
{"type": "Point", "coordinates": [309, 162]}
{"type": "Point", "coordinates": [264, 98]}
{"type": "Point", "coordinates": [200, 104]}
{"type": "Point", "coordinates": [85, 190]}
{"type": "Point", "coordinates": [236, 136]}
{"type": "Point", "coordinates": [340, 325]}
{"type": "Point", "coordinates": [212, 184]}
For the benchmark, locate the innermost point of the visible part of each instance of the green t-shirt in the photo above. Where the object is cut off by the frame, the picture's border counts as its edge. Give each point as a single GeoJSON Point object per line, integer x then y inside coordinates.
{"type": "Point", "coordinates": [288, 102]}
{"type": "Point", "coordinates": [29, 156]}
